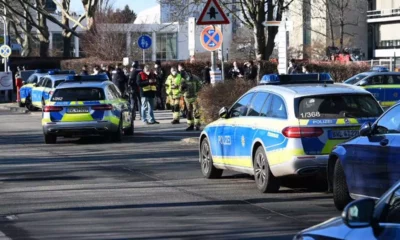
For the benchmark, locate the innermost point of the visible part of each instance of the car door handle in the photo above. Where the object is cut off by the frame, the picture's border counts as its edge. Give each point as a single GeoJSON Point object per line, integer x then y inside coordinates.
{"type": "Point", "coordinates": [384, 142]}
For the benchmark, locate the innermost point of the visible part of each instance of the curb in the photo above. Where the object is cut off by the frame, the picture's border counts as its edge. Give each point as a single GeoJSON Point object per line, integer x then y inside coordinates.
{"type": "Point", "coordinates": [192, 140]}
{"type": "Point", "coordinates": [15, 109]}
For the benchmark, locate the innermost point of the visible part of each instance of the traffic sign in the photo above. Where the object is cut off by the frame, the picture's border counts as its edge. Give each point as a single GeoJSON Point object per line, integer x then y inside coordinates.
{"type": "Point", "coordinates": [211, 38]}
{"type": "Point", "coordinates": [144, 42]}
{"type": "Point", "coordinates": [5, 51]}
{"type": "Point", "coordinates": [272, 23]}
{"type": "Point", "coordinates": [212, 14]}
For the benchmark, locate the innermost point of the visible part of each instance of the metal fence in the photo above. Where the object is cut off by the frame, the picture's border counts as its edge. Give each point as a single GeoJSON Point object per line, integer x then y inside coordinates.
{"type": "Point", "coordinates": [393, 64]}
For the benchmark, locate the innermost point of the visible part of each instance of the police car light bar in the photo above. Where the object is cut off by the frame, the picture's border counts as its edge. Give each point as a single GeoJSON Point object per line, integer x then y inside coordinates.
{"type": "Point", "coordinates": [61, 72]}
{"type": "Point", "coordinates": [275, 79]}
{"type": "Point", "coordinates": [45, 70]}
{"type": "Point", "coordinates": [78, 78]}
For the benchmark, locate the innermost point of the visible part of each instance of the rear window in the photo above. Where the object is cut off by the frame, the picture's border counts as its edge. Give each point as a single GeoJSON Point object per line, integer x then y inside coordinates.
{"type": "Point", "coordinates": [338, 106]}
{"type": "Point", "coordinates": [78, 94]}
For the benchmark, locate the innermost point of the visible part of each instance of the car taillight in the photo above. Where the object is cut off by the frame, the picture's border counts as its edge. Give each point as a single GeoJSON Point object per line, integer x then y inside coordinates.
{"type": "Point", "coordinates": [102, 107]}
{"type": "Point", "coordinates": [52, 109]}
{"type": "Point", "coordinates": [299, 132]}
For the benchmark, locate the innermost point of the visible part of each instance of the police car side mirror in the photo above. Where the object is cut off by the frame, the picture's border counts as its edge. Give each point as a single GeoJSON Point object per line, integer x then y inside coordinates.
{"type": "Point", "coordinates": [366, 129]}
{"type": "Point", "coordinates": [223, 113]}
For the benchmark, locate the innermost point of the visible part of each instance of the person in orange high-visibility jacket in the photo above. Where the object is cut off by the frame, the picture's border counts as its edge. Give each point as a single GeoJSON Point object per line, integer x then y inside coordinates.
{"type": "Point", "coordinates": [174, 88]}
{"type": "Point", "coordinates": [148, 87]}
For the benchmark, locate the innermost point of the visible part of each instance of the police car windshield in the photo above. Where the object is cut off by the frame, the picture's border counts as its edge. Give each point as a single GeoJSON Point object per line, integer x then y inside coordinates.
{"type": "Point", "coordinates": [58, 82]}
{"type": "Point", "coordinates": [338, 106]}
{"type": "Point", "coordinates": [355, 79]}
{"type": "Point", "coordinates": [78, 94]}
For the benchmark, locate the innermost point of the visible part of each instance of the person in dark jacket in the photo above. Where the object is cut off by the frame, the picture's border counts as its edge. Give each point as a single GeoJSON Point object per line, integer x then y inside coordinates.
{"type": "Point", "coordinates": [84, 71]}
{"type": "Point", "coordinates": [250, 73]}
{"type": "Point", "coordinates": [134, 88]}
{"type": "Point", "coordinates": [147, 83]}
{"type": "Point", "coordinates": [158, 72]}
{"type": "Point", "coordinates": [108, 71]}
{"type": "Point", "coordinates": [186, 75]}
{"type": "Point", "coordinates": [235, 71]}
{"type": "Point", "coordinates": [119, 78]}
{"type": "Point", "coordinates": [206, 73]}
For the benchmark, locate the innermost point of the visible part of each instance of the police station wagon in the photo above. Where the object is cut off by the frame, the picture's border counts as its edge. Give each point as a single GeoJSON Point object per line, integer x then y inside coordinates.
{"type": "Point", "coordinates": [288, 128]}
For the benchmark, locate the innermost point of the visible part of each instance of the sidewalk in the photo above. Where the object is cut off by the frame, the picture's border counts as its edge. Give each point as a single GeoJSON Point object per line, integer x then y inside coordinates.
{"type": "Point", "coordinates": [13, 107]}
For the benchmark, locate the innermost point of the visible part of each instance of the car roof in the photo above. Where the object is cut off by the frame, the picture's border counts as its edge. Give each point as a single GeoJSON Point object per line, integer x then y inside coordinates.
{"type": "Point", "coordinates": [58, 76]}
{"type": "Point", "coordinates": [84, 84]}
{"type": "Point", "coordinates": [379, 73]}
{"type": "Point", "coordinates": [299, 90]}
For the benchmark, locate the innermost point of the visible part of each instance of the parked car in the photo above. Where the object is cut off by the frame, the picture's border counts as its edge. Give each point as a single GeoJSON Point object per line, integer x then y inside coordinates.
{"type": "Point", "coordinates": [362, 219]}
{"type": "Point", "coordinates": [369, 164]}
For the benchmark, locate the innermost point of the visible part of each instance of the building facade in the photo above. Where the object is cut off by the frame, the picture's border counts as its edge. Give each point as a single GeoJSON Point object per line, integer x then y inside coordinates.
{"type": "Point", "coordinates": [383, 19]}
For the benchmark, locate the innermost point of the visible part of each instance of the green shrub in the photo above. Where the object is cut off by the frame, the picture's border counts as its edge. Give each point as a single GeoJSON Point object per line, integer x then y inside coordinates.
{"type": "Point", "coordinates": [213, 98]}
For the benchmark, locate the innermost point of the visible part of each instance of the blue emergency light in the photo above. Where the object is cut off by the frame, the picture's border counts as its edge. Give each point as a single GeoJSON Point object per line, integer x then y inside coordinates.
{"type": "Point", "coordinates": [100, 77]}
{"type": "Point", "coordinates": [62, 72]}
{"type": "Point", "coordinates": [45, 70]}
{"type": "Point", "coordinates": [379, 69]}
{"type": "Point", "coordinates": [276, 79]}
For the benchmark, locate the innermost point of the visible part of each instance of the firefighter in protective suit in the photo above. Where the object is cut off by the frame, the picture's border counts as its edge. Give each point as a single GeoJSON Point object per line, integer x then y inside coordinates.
{"type": "Point", "coordinates": [174, 89]}
{"type": "Point", "coordinates": [190, 88]}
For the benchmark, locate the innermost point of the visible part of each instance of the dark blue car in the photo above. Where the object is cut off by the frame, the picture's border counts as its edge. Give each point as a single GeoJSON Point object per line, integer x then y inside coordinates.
{"type": "Point", "coordinates": [369, 164]}
{"type": "Point", "coordinates": [362, 219]}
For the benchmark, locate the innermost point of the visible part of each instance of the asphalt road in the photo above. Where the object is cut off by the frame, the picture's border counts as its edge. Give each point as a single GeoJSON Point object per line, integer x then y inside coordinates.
{"type": "Point", "coordinates": [147, 187]}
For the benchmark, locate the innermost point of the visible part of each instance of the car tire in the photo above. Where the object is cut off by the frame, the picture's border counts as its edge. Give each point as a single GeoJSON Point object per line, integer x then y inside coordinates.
{"type": "Point", "coordinates": [50, 139]}
{"type": "Point", "coordinates": [130, 130]}
{"type": "Point", "coordinates": [43, 103]}
{"type": "Point", "coordinates": [117, 136]}
{"type": "Point", "coordinates": [266, 182]}
{"type": "Point", "coordinates": [341, 196]}
{"type": "Point", "coordinates": [206, 162]}
{"type": "Point", "coordinates": [29, 105]}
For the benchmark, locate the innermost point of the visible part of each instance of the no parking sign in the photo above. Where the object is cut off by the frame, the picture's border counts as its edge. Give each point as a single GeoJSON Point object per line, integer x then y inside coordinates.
{"type": "Point", "coordinates": [211, 38]}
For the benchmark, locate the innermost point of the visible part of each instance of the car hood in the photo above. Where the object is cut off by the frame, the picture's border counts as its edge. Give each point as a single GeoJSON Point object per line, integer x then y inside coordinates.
{"type": "Point", "coordinates": [332, 229]}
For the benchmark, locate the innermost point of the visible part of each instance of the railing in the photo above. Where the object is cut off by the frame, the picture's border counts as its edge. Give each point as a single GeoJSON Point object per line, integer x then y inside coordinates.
{"type": "Point", "coordinates": [382, 13]}
{"type": "Point", "coordinates": [388, 44]}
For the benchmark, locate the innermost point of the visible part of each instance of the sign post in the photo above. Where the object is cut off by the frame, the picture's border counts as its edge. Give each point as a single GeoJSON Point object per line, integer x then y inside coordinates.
{"type": "Point", "coordinates": [144, 42]}
{"type": "Point", "coordinates": [192, 36]}
{"type": "Point", "coordinates": [212, 38]}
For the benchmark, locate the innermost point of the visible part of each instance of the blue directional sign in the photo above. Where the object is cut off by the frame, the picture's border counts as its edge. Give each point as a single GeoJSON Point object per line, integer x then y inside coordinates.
{"type": "Point", "coordinates": [144, 42]}
{"type": "Point", "coordinates": [211, 38]}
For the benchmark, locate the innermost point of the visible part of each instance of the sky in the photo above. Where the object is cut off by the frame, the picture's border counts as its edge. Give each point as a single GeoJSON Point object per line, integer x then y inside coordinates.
{"type": "Point", "coordinates": [136, 5]}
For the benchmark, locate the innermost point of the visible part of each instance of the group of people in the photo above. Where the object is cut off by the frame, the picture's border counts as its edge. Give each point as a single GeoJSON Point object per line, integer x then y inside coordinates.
{"type": "Point", "coordinates": [297, 68]}
{"type": "Point", "coordinates": [145, 89]}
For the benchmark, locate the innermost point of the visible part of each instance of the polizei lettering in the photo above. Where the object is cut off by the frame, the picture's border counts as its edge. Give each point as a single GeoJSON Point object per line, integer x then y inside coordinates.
{"type": "Point", "coordinates": [224, 140]}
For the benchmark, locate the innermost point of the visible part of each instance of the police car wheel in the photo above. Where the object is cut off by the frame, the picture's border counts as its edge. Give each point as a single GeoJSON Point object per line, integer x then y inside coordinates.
{"type": "Point", "coordinates": [130, 130]}
{"type": "Point", "coordinates": [266, 182]}
{"type": "Point", "coordinates": [206, 162]}
{"type": "Point", "coordinates": [43, 102]}
{"type": "Point", "coordinates": [20, 104]}
{"type": "Point", "coordinates": [50, 139]}
{"type": "Point", "coordinates": [117, 136]}
{"type": "Point", "coordinates": [341, 196]}
{"type": "Point", "coordinates": [29, 105]}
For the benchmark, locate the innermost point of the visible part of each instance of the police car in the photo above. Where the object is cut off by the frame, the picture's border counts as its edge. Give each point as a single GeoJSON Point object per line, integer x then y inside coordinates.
{"type": "Point", "coordinates": [42, 90]}
{"type": "Point", "coordinates": [286, 127]}
{"type": "Point", "coordinates": [84, 106]}
{"type": "Point", "coordinates": [385, 86]}
{"type": "Point", "coordinates": [26, 89]}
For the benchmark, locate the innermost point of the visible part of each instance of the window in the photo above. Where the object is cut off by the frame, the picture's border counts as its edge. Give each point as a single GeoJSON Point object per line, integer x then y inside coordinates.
{"type": "Point", "coordinates": [115, 92]}
{"type": "Point", "coordinates": [355, 79]}
{"type": "Point", "coordinates": [267, 106]}
{"type": "Point", "coordinates": [392, 213]}
{"type": "Point", "coordinates": [167, 46]}
{"type": "Point", "coordinates": [393, 79]}
{"type": "Point", "coordinates": [58, 82]}
{"type": "Point", "coordinates": [338, 106]}
{"type": "Point", "coordinates": [377, 80]}
{"type": "Point", "coordinates": [41, 82]}
{"type": "Point", "coordinates": [48, 83]}
{"type": "Point", "coordinates": [390, 122]}
{"type": "Point", "coordinates": [278, 109]}
{"type": "Point", "coordinates": [257, 103]}
{"type": "Point", "coordinates": [32, 79]}
{"type": "Point", "coordinates": [78, 94]}
{"type": "Point", "coordinates": [110, 94]}
{"type": "Point", "coordinates": [240, 108]}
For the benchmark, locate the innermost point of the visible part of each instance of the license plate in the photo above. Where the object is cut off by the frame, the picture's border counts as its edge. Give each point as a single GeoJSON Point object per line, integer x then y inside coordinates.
{"type": "Point", "coordinates": [343, 134]}
{"type": "Point", "coordinates": [78, 110]}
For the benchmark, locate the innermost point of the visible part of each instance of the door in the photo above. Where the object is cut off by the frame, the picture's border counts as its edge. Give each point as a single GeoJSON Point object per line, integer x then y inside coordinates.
{"type": "Point", "coordinates": [376, 166]}
{"type": "Point", "coordinates": [48, 86]}
{"type": "Point", "coordinates": [392, 90]}
{"type": "Point", "coordinates": [247, 130]}
{"type": "Point", "coordinates": [376, 85]}
{"type": "Point", "coordinates": [224, 144]}
{"type": "Point", "coordinates": [37, 92]}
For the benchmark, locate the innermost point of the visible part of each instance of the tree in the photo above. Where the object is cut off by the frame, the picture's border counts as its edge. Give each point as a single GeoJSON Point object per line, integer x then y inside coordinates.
{"type": "Point", "coordinates": [251, 13]}
{"type": "Point", "coordinates": [127, 15]}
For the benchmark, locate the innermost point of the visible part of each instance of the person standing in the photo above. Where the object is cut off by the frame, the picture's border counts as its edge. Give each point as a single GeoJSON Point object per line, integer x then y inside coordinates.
{"type": "Point", "coordinates": [174, 85]}
{"type": "Point", "coordinates": [206, 73]}
{"type": "Point", "coordinates": [168, 92]}
{"type": "Point", "coordinates": [235, 71]}
{"type": "Point", "coordinates": [134, 90]}
{"type": "Point", "coordinates": [119, 78]}
{"type": "Point", "coordinates": [292, 69]}
{"type": "Point", "coordinates": [148, 87]}
{"type": "Point", "coordinates": [250, 73]}
{"type": "Point", "coordinates": [190, 88]}
{"type": "Point", "coordinates": [160, 84]}
{"type": "Point", "coordinates": [84, 71]}
{"type": "Point", "coordinates": [186, 75]}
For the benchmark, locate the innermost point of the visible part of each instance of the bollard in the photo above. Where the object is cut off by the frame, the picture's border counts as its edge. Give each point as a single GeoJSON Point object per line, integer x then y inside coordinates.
{"type": "Point", "coordinates": [18, 84]}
